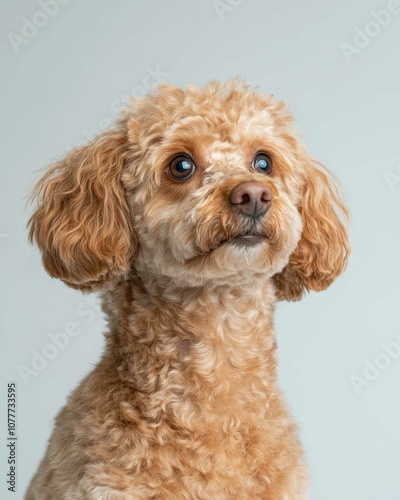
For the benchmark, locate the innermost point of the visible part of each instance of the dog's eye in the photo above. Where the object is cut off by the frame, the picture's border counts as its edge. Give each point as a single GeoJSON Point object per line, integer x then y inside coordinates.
{"type": "Point", "coordinates": [262, 162]}
{"type": "Point", "coordinates": [181, 167]}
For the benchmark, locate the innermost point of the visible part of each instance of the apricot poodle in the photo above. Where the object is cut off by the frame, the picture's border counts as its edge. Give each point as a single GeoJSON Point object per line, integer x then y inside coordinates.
{"type": "Point", "coordinates": [191, 217]}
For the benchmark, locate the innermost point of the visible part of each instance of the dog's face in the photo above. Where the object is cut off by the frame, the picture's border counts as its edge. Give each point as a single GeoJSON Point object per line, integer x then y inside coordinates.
{"type": "Point", "coordinates": [199, 185]}
{"type": "Point", "coordinates": [215, 195]}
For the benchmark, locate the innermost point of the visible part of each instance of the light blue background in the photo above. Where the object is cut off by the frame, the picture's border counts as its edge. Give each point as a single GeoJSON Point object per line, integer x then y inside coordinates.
{"type": "Point", "coordinates": [70, 78]}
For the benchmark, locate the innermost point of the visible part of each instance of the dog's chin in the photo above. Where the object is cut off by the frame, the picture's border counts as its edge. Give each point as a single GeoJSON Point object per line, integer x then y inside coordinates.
{"type": "Point", "coordinates": [240, 252]}
{"type": "Point", "coordinates": [246, 241]}
{"type": "Point", "coordinates": [242, 256]}
{"type": "Point", "coordinates": [240, 260]}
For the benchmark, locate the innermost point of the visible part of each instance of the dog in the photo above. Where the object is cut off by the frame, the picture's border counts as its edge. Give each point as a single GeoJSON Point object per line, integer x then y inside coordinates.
{"type": "Point", "coordinates": [196, 212]}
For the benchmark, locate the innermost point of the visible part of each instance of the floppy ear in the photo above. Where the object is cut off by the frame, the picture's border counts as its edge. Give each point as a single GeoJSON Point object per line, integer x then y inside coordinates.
{"type": "Point", "coordinates": [323, 250]}
{"type": "Point", "coordinates": [82, 223]}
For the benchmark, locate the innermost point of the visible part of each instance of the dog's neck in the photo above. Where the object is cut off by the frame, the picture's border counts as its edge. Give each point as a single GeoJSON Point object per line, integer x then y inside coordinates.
{"type": "Point", "coordinates": [213, 346]}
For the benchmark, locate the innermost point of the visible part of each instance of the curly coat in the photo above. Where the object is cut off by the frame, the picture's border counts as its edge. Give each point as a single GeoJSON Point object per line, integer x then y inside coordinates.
{"type": "Point", "coordinates": [184, 403]}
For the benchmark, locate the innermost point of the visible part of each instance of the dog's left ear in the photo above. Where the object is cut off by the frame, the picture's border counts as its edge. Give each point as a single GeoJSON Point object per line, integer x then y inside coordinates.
{"type": "Point", "coordinates": [82, 223]}
{"type": "Point", "coordinates": [323, 250]}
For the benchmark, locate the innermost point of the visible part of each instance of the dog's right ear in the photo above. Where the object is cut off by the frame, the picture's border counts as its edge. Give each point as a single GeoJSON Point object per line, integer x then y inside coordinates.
{"type": "Point", "coordinates": [82, 223]}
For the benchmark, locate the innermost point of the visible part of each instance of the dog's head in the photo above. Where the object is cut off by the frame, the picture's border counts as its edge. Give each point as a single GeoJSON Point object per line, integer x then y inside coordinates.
{"type": "Point", "coordinates": [201, 186]}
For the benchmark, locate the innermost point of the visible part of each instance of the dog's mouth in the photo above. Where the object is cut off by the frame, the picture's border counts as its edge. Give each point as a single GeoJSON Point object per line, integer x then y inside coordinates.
{"type": "Point", "coordinates": [248, 239]}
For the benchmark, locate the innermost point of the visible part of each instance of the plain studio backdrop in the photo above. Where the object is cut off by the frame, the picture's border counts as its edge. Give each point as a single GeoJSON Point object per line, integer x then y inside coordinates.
{"type": "Point", "coordinates": [67, 69]}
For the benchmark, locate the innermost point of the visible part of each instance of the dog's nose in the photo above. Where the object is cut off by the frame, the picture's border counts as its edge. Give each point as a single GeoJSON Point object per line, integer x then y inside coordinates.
{"type": "Point", "coordinates": [251, 198]}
